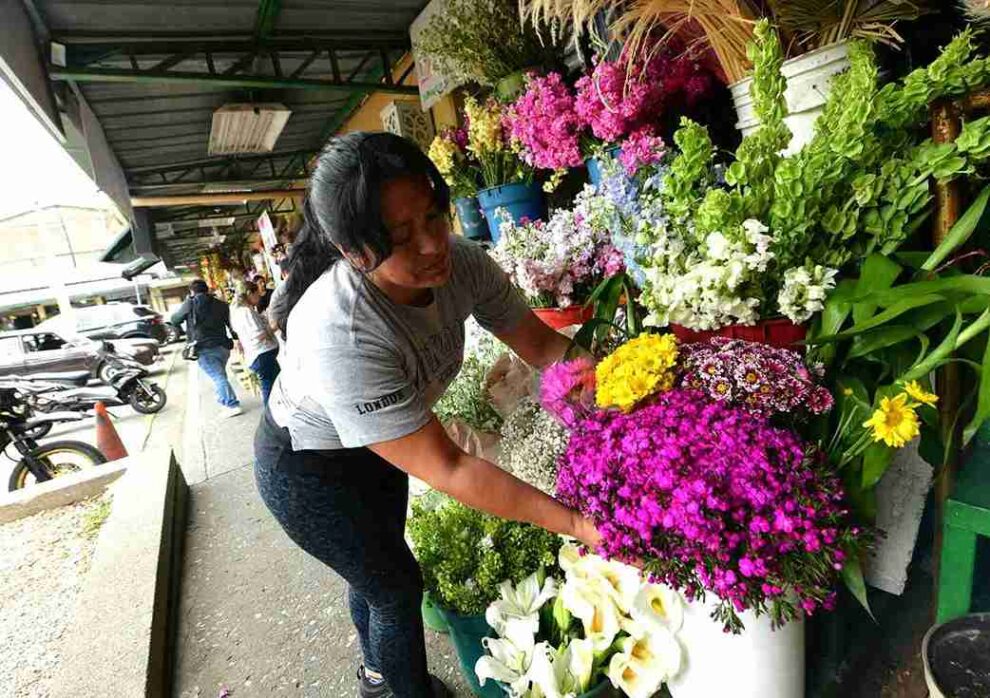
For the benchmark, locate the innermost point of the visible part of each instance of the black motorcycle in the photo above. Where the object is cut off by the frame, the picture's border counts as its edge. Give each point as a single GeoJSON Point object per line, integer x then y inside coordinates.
{"type": "Point", "coordinates": [50, 392]}
{"type": "Point", "coordinates": [39, 462]}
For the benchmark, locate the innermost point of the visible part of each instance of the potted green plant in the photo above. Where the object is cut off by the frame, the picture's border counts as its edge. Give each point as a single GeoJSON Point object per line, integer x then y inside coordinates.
{"type": "Point", "coordinates": [482, 41]}
{"type": "Point", "coordinates": [465, 555]}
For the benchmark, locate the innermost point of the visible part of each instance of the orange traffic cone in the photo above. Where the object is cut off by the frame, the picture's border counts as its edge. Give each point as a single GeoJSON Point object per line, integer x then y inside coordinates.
{"type": "Point", "coordinates": [107, 439]}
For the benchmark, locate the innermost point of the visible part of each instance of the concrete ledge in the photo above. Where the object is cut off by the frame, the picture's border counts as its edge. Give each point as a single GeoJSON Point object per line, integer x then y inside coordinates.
{"type": "Point", "coordinates": [119, 643]}
{"type": "Point", "coordinates": [61, 491]}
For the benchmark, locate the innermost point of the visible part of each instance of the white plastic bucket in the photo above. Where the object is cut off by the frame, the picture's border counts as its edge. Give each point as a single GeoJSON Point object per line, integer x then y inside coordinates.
{"type": "Point", "coordinates": [758, 663]}
{"type": "Point", "coordinates": [808, 85]}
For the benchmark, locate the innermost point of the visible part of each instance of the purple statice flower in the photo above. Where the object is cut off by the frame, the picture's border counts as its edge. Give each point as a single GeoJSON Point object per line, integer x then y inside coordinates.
{"type": "Point", "coordinates": [713, 499]}
{"type": "Point", "coordinates": [760, 379]}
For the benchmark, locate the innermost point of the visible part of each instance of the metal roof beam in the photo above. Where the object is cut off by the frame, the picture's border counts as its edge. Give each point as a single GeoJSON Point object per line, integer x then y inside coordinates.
{"type": "Point", "coordinates": [136, 38]}
{"type": "Point", "coordinates": [205, 79]}
{"type": "Point", "coordinates": [141, 173]}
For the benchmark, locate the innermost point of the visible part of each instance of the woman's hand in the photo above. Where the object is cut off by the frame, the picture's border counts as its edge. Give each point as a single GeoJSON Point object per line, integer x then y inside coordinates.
{"type": "Point", "coordinates": [586, 532]}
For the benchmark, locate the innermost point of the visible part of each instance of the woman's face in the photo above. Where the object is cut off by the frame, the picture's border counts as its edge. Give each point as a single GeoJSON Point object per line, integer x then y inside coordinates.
{"type": "Point", "coordinates": [420, 234]}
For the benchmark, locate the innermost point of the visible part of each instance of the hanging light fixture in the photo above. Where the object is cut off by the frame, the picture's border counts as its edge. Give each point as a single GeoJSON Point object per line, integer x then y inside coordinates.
{"type": "Point", "coordinates": [247, 128]}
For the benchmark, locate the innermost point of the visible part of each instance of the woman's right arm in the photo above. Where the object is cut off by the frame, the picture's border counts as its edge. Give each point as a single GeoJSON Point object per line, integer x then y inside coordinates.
{"type": "Point", "coordinates": [430, 455]}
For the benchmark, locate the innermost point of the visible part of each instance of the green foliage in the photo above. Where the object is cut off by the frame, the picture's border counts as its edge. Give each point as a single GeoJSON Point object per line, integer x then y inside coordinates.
{"type": "Point", "coordinates": [465, 554]}
{"type": "Point", "coordinates": [685, 181]}
{"type": "Point", "coordinates": [893, 325]}
{"type": "Point", "coordinates": [482, 41]}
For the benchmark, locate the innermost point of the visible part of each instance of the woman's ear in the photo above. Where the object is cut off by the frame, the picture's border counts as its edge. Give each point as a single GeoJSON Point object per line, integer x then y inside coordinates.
{"type": "Point", "coordinates": [363, 261]}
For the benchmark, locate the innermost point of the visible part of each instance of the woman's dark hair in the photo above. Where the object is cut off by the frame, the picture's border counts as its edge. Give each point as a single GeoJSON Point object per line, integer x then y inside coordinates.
{"type": "Point", "coordinates": [342, 210]}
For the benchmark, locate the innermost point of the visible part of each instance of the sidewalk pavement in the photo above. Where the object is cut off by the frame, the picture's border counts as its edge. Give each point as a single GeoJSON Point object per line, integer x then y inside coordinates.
{"type": "Point", "coordinates": [257, 615]}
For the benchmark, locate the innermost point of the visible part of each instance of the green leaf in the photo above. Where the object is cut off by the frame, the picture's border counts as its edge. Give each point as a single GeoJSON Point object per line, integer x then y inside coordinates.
{"type": "Point", "coordinates": [852, 575]}
{"type": "Point", "coordinates": [982, 401]}
{"type": "Point", "coordinates": [938, 355]}
{"type": "Point", "coordinates": [881, 338]}
{"type": "Point", "coordinates": [961, 231]}
{"type": "Point", "coordinates": [633, 324]}
{"type": "Point", "coordinates": [966, 285]}
{"type": "Point", "coordinates": [879, 319]}
{"type": "Point", "coordinates": [878, 273]}
{"type": "Point", "coordinates": [876, 460]}
{"type": "Point", "coordinates": [586, 335]}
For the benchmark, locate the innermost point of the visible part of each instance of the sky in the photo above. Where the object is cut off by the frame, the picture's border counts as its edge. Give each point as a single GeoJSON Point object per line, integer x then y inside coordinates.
{"type": "Point", "coordinates": [34, 168]}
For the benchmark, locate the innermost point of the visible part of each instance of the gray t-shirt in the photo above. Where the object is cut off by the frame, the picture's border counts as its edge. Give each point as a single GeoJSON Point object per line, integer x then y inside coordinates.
{"type": "Point", "coordinates": [358, 369]}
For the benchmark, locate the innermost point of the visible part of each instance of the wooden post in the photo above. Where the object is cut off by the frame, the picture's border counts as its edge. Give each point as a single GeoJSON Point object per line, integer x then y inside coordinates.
{"type": "Point", "coordinates": [946, 125]}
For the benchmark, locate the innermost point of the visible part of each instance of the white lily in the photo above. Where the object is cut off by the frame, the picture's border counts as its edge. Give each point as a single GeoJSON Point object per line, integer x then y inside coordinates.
{"type": "Point", "coordinates": [562, 673]}
{"type": "Point", "coordinates": [520, 603]}
{"type": "Point", "coordinates": [588, 601]}
{"type": "Point", "coordinates": [658, 607]}
{"type": "Point", "coordinates": [508, 660]}
{"type": "Point", "coordinates": [623, 581]}
{"type": "Point", "coordinates": [642, 665]}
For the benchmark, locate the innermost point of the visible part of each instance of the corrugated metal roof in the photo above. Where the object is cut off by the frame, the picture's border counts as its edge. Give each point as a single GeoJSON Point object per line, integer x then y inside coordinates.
{"type": "Point", "coordinates": [152, 120]}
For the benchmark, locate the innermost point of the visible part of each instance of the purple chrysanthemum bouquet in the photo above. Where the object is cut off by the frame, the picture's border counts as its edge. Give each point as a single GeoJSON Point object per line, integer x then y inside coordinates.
{"type": "Point", "coordinates": [713, 497]}
{"type": "Point", "coordinates": [763, 380]}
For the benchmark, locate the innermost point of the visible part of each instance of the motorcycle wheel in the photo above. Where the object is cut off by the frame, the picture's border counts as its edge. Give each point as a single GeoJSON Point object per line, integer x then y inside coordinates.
{"type": "Point", "coordinates": [60, 458]}
{"type": "Point", "coordinates": [105, 372]}
{"type": "Point", "coordinates": [147, 398]}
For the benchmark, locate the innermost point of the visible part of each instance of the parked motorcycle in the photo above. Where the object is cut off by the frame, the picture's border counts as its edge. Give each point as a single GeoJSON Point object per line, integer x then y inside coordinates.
{"type": "Point", "coordinates": [39, 463]}
{"type": "Point", "coordinates": [127, 385]}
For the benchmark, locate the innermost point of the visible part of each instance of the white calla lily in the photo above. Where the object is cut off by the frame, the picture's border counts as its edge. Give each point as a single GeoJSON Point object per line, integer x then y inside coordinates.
{"type": "Point", "coordinates": [588, 600]}
{"type": "Point", "coordinates": [644, 664]}
{"type": "Point", "coordinates": [658, 607]}
{"type": "Point", "coordinates": [507, 662]}
{"type": "Point", "coordinates": [624, 582]}
{"type": "Point", "coordinates": [522, 602]}
{"type": "Point", "coordinates": [562, 673]}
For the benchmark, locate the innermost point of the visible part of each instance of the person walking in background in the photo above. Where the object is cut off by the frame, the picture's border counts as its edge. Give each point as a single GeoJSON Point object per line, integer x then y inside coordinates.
{"type": "Point", "coordinates": [207, 321]}
{"type": "Point", "coordinates": [257, 342]}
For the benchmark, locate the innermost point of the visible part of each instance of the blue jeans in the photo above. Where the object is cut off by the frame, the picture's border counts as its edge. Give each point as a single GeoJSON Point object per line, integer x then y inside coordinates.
{"type": "Point", "coordinates": [267, 368]}
{"type": "Point", "coordinates": [213, 361]}
{"type": "Point", "coordinates": [347, 509]}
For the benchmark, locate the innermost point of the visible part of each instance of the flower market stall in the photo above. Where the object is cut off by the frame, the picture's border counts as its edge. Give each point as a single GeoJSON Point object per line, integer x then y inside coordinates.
{"type": "Point", "coordinates": [780, 341]}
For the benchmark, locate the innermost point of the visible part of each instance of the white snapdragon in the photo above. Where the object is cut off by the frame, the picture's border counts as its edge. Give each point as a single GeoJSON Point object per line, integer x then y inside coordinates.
{"type": "Point", "coordinates": [708, 287]}
{"type": "Point", "coordinates": [804, 292]}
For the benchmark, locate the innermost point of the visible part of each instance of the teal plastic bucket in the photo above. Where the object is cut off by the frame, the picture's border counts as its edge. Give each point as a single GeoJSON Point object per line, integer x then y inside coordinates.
{"type": "Point", "coordinates": [432, 617]}
{"type": "Point", "coordinates": [519, 201]}
{"type": "Point", "coordinates": [467, 632]}
{"type": "Point", "coordinates": [473, 223]}
{"type": "Point", "coordinates": [602, 690]}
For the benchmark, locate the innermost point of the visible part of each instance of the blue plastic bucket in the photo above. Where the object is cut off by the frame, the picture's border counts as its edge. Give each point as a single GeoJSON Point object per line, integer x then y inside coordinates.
{"type": "Point", "coordinates": [473, 223]}
{"type": "Point", "coordinates": [595, 165]}
{"type": "Point", "coordinates": [519, 200]}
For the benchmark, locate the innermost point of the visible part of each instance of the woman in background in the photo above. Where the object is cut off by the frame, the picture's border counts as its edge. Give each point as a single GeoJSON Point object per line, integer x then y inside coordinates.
{"type": "Point", "coordinates": [258, 344]}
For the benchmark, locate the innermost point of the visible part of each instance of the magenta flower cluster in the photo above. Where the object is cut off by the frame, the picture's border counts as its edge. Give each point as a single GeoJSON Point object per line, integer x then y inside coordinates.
{"type": "Point", "coordinates": [543, 121]}
{"type": "Point", "coordinates": [615, 100]}
{"type": "Point", "coordinates": [761, 379]}
{"type": "Point", "coordinates": [713, 499]}
{"type": "Point", "coordinates": [642, 148]}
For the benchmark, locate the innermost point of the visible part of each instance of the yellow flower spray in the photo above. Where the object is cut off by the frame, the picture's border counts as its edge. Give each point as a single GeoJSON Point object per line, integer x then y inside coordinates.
{"type": "Point", "coordinates": [638, 369]}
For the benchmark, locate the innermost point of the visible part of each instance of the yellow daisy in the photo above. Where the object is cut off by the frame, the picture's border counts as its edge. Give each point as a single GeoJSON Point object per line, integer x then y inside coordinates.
{"type": "Point", "coordinates": [918, 393]}
{"type": "Point", "coordinates": [895, 422]}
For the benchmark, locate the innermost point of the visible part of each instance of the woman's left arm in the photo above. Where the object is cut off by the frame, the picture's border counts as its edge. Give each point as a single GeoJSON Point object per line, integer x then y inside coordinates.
{"type": "Point", "coordinates": [534, 342]}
